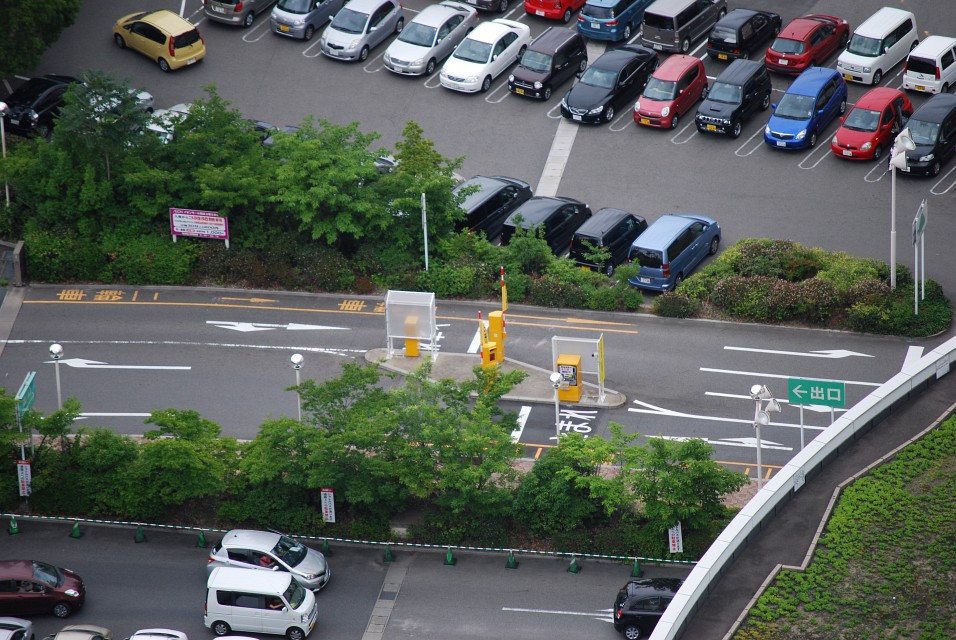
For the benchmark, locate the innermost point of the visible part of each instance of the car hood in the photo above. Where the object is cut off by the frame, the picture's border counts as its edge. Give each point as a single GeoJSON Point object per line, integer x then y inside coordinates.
{"type": "Point", "coordinates": [407, 51]}
{"type": "Point", "coordinates": [855, 138]}
{"type": "Point", "coordinates": [787, 125]}
{"type": "Point", "coordinates": [312, 563]}
{"type": "Point", "coordinates": [587, 96]}
{"type": "Point", "coordinates": [920, 151]}
{"type": "Point", "coordinates": [341, 38]}
{"type": "Point", "coordinates": [655, 106]}
{"type": "Point", "coordinates": [529, 75]}
{"type": "Point", "coordinates": [463, 68]}
{"type": "Point", "coordinates": [717, 109]}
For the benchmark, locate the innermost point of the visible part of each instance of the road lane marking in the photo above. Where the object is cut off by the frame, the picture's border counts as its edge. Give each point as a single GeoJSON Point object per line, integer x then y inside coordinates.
{"type": "Point", "coordinates": [658, 411]}
{"type": "Point", "coordinates": [826, 353]}
{"type": "Point", "coordinates": [809, 407]}
{"type": "Point", "coordinates": [749, 443]}
{"type": "Point", "coordinates": [183, 343]}
{"type": "Point", "coordinates": [784, 376]}
{"type": "Point", "coordinates": [80, 363]}
{"type": "Point", "coordinates": [522, 421]}
{"type": "Point", "coordinates": [246, 327]}
{"type": "Point", "coordinates": [557, 158]}
{"type": "Point", "coordinates": [601, 614]}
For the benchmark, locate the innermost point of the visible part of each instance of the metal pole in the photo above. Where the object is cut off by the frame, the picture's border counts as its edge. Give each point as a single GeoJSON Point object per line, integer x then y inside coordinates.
{"type": "Point", "coordinates": [3, 141]}
{"type": "Point", "coordinates": [425, 230]}
{"type": "Point", "coordinates": [298, 396]}
{"type": "Point", "coordinates": [915, 279]}
{"type": "Point", "coordinates": [801, 427]}
{"type": "Point", "coordinates": [59, 398]}
{"type": "Point", "coordinates": [893, 217]}
{"type": "Point", "coordinates": [557, 416]}
{"type": "Point", "coordinates": [922, 266]}
{"type": "Point", "coordinates": [296, 360]}
{"type": "Point", "coordinates": [757, 429]}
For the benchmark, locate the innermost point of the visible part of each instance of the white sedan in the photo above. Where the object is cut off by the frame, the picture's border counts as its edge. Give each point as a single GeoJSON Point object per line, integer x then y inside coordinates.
{"type": "Point", "coordinates": [485, 54]}
{"type": "Point", "coordinates": [16, 629]}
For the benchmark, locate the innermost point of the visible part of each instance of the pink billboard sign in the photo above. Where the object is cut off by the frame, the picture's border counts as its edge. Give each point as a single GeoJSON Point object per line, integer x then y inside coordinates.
{"type": "Point", "coordinates": [198, 224]}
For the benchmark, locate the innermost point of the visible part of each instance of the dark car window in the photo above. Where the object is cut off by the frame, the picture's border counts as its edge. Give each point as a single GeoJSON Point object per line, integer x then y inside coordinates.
{"type": "Point", "coordinates": [647, 258]}
{"type": "Point", "coordinates": [677, 246]}
{"type": "Point", "coordinates": [788, 46]}
{"type": "Point", "coordinates": [647, 604]}
{"type": "Point", "coordinates": [239, 555]}
{"type": "Point", "coordinates": [724, 34]}
{"type": "Point", "coordinates": [186, 39]}
{"type": "Point", "coordinates": [664, 23]}
{"type": "Point", "coordinates": [727, 93]}
{"type": "Point", "coordinates": [921, 65]}
{"type": "Point", "coordinates": [149, 32]}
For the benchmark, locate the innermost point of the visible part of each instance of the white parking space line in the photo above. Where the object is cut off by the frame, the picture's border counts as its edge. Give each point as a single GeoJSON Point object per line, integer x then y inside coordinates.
{"type": "Point", "coordinates": [375, 64]}
{"type": "Point", "coordinates": [822, 150]}
{"type": "Point", "coordinates": [686, 133]}
{"type": "Point", "coordinates": [938, 190]}
{"type": "Point", "coordinates": [501, 89]}
{"type": "Point", "coordinates": [877, 172]}
{"type": "Point", "coordinates": [258, 31]}
{"type": "Point", "coordinates": [434, 80]}
{"type": "Point", "coordinates": [314, 50]}
{"type": "Point", "coordinates": [522, 420]}
{"type": "Point", "coordinates": [624, 121]}
{"type": "Point", "coordinates": [475, 342]}
{"type": "Point", "coordinates": [743, 151]}
{"type": "Point", "coordinates": [555, 112]}
{"type": "Point", "coordinates": [557, 159]}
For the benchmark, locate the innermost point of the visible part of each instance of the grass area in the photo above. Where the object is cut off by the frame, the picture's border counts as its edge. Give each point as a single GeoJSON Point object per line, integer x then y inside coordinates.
{"type": "Point", "coordinates": [885, 567]}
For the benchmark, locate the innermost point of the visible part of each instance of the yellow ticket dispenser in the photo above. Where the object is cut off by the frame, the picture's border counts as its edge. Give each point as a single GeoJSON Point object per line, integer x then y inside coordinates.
{"type": "Point", "coordinates": [569, 366]}
{"type": "Point", "coordinates": [411, 344]}
{"type": "Point", "coordinates": [497, 331]}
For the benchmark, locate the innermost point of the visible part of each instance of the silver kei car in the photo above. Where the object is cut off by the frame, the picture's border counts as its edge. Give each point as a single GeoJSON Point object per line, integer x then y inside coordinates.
{"type": "Point", "coordinates": [359, 26]}
{"type": "Point", "coordinates": [300, 18]}
{"type": "Point", "coordinates": [430, 38]}
{"type": "Point", "coordinates": [270, 551]}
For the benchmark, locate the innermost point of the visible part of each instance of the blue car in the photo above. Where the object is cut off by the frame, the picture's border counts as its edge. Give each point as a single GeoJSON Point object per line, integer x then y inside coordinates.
{"type": "Point", "coordinates": [668, 250]}
{"type": "Point", "coordinates": [815, 98]}
{"type": "Point", "coordinates": [612, 20]}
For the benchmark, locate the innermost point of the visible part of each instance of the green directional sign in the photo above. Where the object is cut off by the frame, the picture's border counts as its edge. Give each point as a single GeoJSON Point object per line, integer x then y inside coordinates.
{"type": "Point", "coordinates": [27, 394]}
{"type": "Point", "coordinates": [822, 392]}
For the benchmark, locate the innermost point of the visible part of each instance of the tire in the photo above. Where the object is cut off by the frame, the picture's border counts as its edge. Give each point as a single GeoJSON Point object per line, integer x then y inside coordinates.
{"type": "Point", "coordinates": [675, 119]}
{"type": "Point", "coordinates": [934, 170]}
{"type": "Point", "coordinates": [878, 152]}
{"type": "Point", "coordinates": [766, 103]}
{"type": "Point", "coordinates": [62, 609]}
{"type": "Point", "coordinates": [45, 130]}
{"type": "Point", "coordinates": [566, 18]}
{"type": "Point", "coordinates": [609, 269]}
{"type": "Point", "coordinates": [486, 84]}
{"type": "Point", "coordinates": [714, 245]}
{"type": "Point", "coordinates": [678, 279]}
{"type": "Point", "coordinates": [309, 32]}
{"type": "Point", "coordinates": [363, 54]}
{"type": "Point", "coordinates": [295, 633]}
{"type": "Point", "coordinates": [685, 46]}
{"type": "Point", "coordinates": [582, 66]}
{"type": "Point", "coordinates": [735, 132]}
{"type": "Point", "coordinates": [547, 93]}
{"type": "Point", "coordinates": [627, 32]}
{"type": "Point", "coordinates": [722, 13]}
{"type": "Point", "coordinates": [945, 88]}
{"type": "Point", "coordinates": [430, 67]}
{"type": "Point", "coordinates": [776, 31]}
{"type": "Point", "coordinates": [632, 632]}
{"type": "Point", "coordinates": [220, 628]}
{"type": "Point", "coordinates": [877, 76]}
{"type": "Point", "coordinates": [502, 6]}
{"type": "Point", "coordinates": [609, 113]}
{"type": "Point", "coordinates": [118, 39]}
{"type": "Point", "coordinates": [163, 65]}
{"type": "Point", "coordinates": [524, 48]}
{"type": "Point", "coordinates": [843, 107]}
{"type": "Point", "coordinates": [813, 140]}
{"type": "Point", "coordinates": [248, 20]}
{"type": "Point", "coordinates": [399, 25]}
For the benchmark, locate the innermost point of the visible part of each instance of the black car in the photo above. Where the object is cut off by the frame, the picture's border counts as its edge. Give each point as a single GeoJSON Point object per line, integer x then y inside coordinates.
{"type": "Point", "coordinates": [737, 93]}
{"type": "Point", "coordinates": [741, 32]}
{"type": "Point", "coordinates": [611, 82]}
{"type": "Point", "coordinates": [559, 217]}
{"type": "Point", "coordinates": [34, 105]}
{"type": "Point", "coordinates": [489, 201]}
{"type": "Point", "coordinates": [933, 130]}
{"type": "Point", "coordinates": [641, 603]}
{"type": "Point", "coordinates": [610, 229]}
{"type": "Point", "coordinates": [551, 60]}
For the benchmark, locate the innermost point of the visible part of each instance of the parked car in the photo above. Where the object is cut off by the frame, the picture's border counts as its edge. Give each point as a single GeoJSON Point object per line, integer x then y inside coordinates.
{"type": "Point", "coordinates": [673, 25]}
{"type": "Point", "coordinates": [16, 629]}
{"type": "Point", "coordinates": [485, 54]}
{"type": "Point", "coordinates": [158, 634]}
{"type": "Point", "coordinates": [161, 36]}
{"type": "Point", "coordinates": [612, 81]}
{"type": "Point", "coordinates": [641, 603]}
{"type": "Point", "coordinates": [737, 93]}
{"type": "Point", "coordinates": [872, 124]}
{"type": "Point", "coordinates": [933, 129]}
{"type": "Point", "coordinates": [558, 217]}
{"type": "Point", "coordinates": [740, 33]}
{"type": "Point", "coordinates": [34, 105]}
{"type": "Point", "coordinates": [81, 632]}
{"type": "Point", "coordinates": [240, 13]}
{"type": "Point", "coordinates": [814, 99]}
{"type": "Point", "coordinates": [31, 586]}
{"type": "Point", "coordinates": [878, 45]}
{"type": "Point", "coordinates": [300, 18]}
{"type": "Point", "coordinates": [360, 26]}
{"type": "Point", "coordinates": [489, 201]}
{"type": "Point", "coordinates": [931, 66]}
{"type": "Point", "coordinates": [163, 122]}
{"type": "Point", "coordinates": [670, 248]}
{"type": "Point", "coordinates": [553, 9]}
{"type": "Point", "coordinates": [807, 42]}
{"type": "Point", "coordinates": [430, 38]}
{"type": "Point", "coordinates": [671, 91]}
{"type": "Point", "coordinates": [553, 58]}
{"type": "Point", "coordinates": [612, 230]}
{"type": "Point", "coordinates": [270, 551]}
{"type": "Point", "coordinates": [612, 20]}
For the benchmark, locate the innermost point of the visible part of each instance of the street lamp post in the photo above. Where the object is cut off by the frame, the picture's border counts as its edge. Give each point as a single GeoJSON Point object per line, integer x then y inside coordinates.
{"type": "Point", "coordinates": [3, 142]}
{"type": "Point", "coordinates": [56, 352]}
{"type": "Point", "coordinates": [902, 144]}
{"type": "Point", "coordinates": [764, 405]}
{"type": "Point", "coordinates": [556, 382]}
{"type": "Point", "coordinates": [296, 361]}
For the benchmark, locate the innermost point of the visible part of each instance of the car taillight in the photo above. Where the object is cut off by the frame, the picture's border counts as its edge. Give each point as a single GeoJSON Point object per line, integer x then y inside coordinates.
{"type": "Point", "coordinates": [666, 268]}
{"type": "Point", "coordinates": [580, 18]}
{"type": "Point", "coordinates": [172, 46]}
{"type": "Point", "coordinates": [937, 72]}
{"type": "Point", "coordinates": [201, 39]}
{"type": "Point", "coordinates": [612, 23]}
{"type": "Point", "coordinates": [238, 7]}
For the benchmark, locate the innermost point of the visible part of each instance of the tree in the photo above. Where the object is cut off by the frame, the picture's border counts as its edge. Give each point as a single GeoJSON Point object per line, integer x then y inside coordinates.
{"type": "Point", "coordinates": [28, 28]}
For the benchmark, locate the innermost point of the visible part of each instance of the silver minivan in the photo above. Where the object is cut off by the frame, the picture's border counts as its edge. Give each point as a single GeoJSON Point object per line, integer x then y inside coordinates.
{"type": "Point", "coordinates": [672, 25]}
{"type": "Point", "coordinates": [360, 26]}
{"type": "Point", "coordinates": [236, 12]}
{"type": "Point", "coordinates": [300, 18]}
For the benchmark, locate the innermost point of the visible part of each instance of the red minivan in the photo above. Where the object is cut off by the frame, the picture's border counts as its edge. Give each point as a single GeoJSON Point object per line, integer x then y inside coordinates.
{"type": "Point", "coordinates": [671, 91]}
{"type": "Point", "coordinates": [30, 586]}
{"type": "Point", "coordinates": [872, 124]}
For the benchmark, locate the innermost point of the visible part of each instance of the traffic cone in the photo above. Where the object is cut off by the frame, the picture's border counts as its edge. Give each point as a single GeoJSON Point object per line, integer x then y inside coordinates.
{"type": "Point", "coordinates": [388, 553]}
{"type": "Point", "coordinates": [636, 571]}
{"type": "Point", "coordinates": [76, 533]}
{"type": "Point", "coordinates": [512, 563]}
{"type": "Point", "coordinates": [140, 536]}
{"type": "Point", "coordinates": [450, 559]}
{"type": "Point", "coordinates": [574, 568]}
{"type": "Point", "coordinates": [13, 529]}
{"type": "Point", "coordinates": [201, 543]}
{"type": "Point", "coordinates": [326, 550]}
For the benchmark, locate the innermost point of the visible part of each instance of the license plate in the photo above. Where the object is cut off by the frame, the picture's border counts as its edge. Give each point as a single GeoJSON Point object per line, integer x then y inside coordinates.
{"type": "Point", "coordinates": [658, 47]}
{"type": "Point", "coordinates": [781, 143]}
{"type": "Point", "coordinates": [218, 9]}
{"type": "Point", "coordinates": [575, 117]}
{"type": "Point", "coordinates": [783, 62]}
{"type": "Point", "coordinates": [920, 87]}
{"type": "Point", "coordinates": [191, 61]}
{"type": "Point", "coordinates": [645, 280]}
{"type": "Point", "coordinates": [538, 12]}
{"type": "Point", "coordinates": [15, 122]}
{"type": "Point", "coordinates": [519, 91]}
{"type": "Point", "coordinates": [847, 153]}
{"type": "Point", "coordinates": [722, 56]}
{"type": "Point", "coordinates": [472, 1]}
{"type": "Point", "coordinates": [847, 76]}
{"type": "Point", "coordinates": [333, 52]}
{"type": "Point", "coordinates": [595, 25]}
{"type": "Point", "coordinates": [585, 268]}
{"type": "Point", "coordinates": [645, 121]}
{"type": "Point", "coordinates": [712, 127]}
{"type": "Point", "coordinates": [284, 28]}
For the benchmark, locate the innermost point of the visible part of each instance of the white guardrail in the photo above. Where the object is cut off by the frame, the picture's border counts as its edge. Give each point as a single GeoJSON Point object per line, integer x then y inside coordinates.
{"type": "Point", "coordinates": [778, 489]}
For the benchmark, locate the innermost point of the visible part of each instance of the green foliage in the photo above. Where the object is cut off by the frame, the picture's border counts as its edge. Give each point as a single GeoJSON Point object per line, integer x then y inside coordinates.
{"type": "Point", "coordinates": [675, 304]}
{"type": "Point", "coordinates": [28, 28]}
{"type": "Point", "coordinates": [147, 259]}
{"type": "Point", "coordinates": [527, 251]}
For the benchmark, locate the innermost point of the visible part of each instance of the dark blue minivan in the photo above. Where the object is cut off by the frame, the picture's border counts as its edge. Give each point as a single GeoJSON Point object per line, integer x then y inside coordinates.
{"type": "Point", "coordinates": [613, 20]}
{"type": "Point", "coordinates": [670, 248]}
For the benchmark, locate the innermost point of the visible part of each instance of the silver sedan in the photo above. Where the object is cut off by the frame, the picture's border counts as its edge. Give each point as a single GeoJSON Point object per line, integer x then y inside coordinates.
{"type": "Point", "coordinates": [430, 38]}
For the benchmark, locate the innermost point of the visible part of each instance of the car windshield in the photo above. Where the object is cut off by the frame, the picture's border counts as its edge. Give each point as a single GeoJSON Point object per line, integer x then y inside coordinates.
{"type": "Point", "coordinates": [47, 574]}
{"type": "Point", "coordinates": [923, 132]}
{"type": "Point", "coordinates": [724, 34]}
{"type": "Point", "coordinates": [291, 552]}
{"type": "Point", "coordinates": [473, 51]}
{"type": "Point", "coordinates": [795, 107]}
{"type": "Point", "coordinates": [862, 120]}
{"type": "Point", "coordinates": [350, 21]}
{"type": "Point", "coordinates": [863, 46]}
{"type": "Point", "coordinates": [788, 46]}
{"type": "Point", "coordinates": [536, 61]}
{"type": "Point", "coordinates": [660, 89]}
{"type": "Point", "coordinates": [647, 258]}
{"type": "Point", "coordinates": [599, 78]}
{"type": "Point", "coordinates": [419, 34]}
{"type": "Point", "coordinates": [299, 7]}
{"type": "Point", "coordinates": [728, 93]}
{"type": "Point", "coordinates": [295, 594]}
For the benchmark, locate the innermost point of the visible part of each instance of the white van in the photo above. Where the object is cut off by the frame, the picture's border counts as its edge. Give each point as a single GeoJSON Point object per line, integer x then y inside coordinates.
{"type": "Point", "coordinates": [878, 45]}
{"type": "Point", "coordinates": [243, 600]}
{"type": "Point", "coordinates": [931, 66]}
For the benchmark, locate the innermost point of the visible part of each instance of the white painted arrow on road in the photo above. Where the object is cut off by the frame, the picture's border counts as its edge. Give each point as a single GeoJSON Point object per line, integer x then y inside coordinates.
{"type": "Point", "coordinates": [830, 353]}
{"type": "Point", "coordinates": [750, 443]}
{"type": "Point", "coordinates": [246, 327]}
{"type": "Point", "coordinates": [80, 363]}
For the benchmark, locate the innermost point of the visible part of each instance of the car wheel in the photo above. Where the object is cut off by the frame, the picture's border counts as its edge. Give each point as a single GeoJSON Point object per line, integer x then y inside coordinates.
{"type": "Point", "coordinates": [736, 130]}
{"type": "Point", "coordinates": [295, 633]}
{"type": "Point", "coordinates": [627, 32]}
{"type": "Point", "coordinates": [163, 65]}
{"type": "Point", "coordinates": [524, 48]}
{"type": "Point", "coordinates": [878, 152]}
{"type": "Point", "coordinates": [220, 628]}
{"type": "Point", "coordinates": [399, 25]}
{"type": "Point", "coordinates": [765, 104]}
{"type": "Point", "coordinates": [547, 93]}
{"type": "Point", "coordinates": [813, 140]}
{"type": "Point", "coordinates": [843, 107]}
{"type": "Point", "coordinates": [363, 54]}
{"type": "Point", "coordinates": [714, 244]}
{"type": "Point", "coordinates": [430, 67]}
{"type": "Point", "coordinates": [685, 45]}
{"type": "Point", "coordinates": [309, 32]}
{"type": "Point", "coordinates": [945, 88]}
{"type": "Point", "coordinates": [609, 269]}
{"type": "Point", "coordinates": [502, 6]}
{"type": "Point", "coordinates": [678, 279]}
{"type": "Point", "coordinates": [722, 13]}
{"type": "Point", "coordinates": [248, 20]}
{"type": "Point", "coordinates": [582, 66]}
{"type": "Point", "coordinates": [566, 18]}
{"type": "Point", "coordinates": [45, 130]}
{"type": "Point", "coordinates": [934, 170]}
{"type": "Point", "coordinates": [704, 92]}
{"type": "Point", "coordinates": [877, 76]}
{"type": "Point", "coordinates": [776, 31]}
{"type": "Point", "coordinates": [674, 120]}
{"type": "Point", "coordinates": [632, 632]}
{"type": "Point", "coordinates": [608, 113]}
{"type": "Point", "coordinates": [62, 610]}
{"type": "Point", "coordinates": [118, 39]}
{"type": "Point", "coordinates": [486, 84]}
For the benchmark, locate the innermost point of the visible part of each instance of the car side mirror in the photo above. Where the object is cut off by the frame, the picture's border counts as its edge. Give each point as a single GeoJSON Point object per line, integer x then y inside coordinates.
{"type": "Point", "coordinates": [842, 119]}
{"type": "Point", "coordinates": [494, 57]}
{"type": "Point", "coordinates": [373, 28]}
{"type": "Point", "coordinates": [773, 105]}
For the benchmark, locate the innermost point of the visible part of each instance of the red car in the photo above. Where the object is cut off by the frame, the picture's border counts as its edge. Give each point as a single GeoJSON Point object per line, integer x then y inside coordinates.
{"type": "Point", "coordinates": [671, 91]}
{"type": "Point", "coordinates": [553, 9]}
{"type": "Point", "coordinates": [807, 42]}
{"type": "Point", "coordinates": [871, 125]}
{"type": "Point", "coordinates": [29, 586]}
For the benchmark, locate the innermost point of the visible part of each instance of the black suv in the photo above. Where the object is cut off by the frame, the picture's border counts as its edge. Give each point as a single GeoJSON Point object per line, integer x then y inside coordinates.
{"type": "Point", "coordinates": [35, 103]}
{"type": "Point", "coordinates": [559, 217]}
{"type": "Point", "coordinates": [741, 32]}
{"type": "Point", "coordinates": [736, 94]}
{"type": "Point", "coordinates": [551, 60]}
{"type": "Point", "coordinates": [641, 603]}
{"type": "Point", "coordinates": [611, 229]}
{"type": "Point", "coordinates": [489, 201]}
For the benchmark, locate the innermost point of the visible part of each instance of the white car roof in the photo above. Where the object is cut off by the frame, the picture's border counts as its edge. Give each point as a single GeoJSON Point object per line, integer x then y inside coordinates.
{"type": "Point", "coordinates": [262, 540]}
{"type": "Point", "coordinates": [158, 634]}
{"type": "Point", "coordinates": [434, 15]}
{"type": "Point", "coordinates": [489, 32]}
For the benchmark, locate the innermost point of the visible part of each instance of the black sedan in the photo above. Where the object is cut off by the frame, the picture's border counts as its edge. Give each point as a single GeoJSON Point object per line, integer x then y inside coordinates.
{"type": "Point", "coordinates": [555, 218]}
{"type": "Point", "coordinates": [740, 33]}
{"type": "Point", "coordinates": [611, 83]}
{"type": "Point", "coordinates": [488, 200]}
{"type": "Point", "coordinates": [35, 103]}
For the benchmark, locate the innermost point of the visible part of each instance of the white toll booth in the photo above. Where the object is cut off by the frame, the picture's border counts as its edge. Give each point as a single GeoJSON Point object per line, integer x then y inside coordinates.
{"type": "Point", "coordinates": [591, 354]}
{"type": "Point", "coordinates": [410, 316]}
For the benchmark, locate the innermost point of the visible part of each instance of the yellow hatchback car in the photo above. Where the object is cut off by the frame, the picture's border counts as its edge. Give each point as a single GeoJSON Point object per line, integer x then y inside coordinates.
{"type": "Point", "coordinates": [161, 36]}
